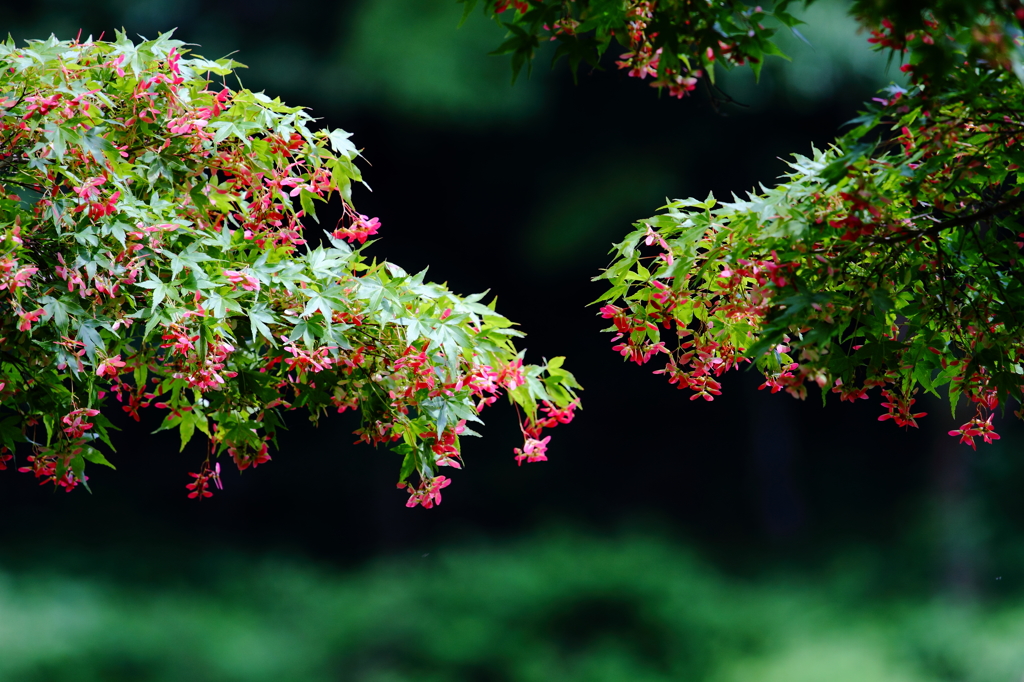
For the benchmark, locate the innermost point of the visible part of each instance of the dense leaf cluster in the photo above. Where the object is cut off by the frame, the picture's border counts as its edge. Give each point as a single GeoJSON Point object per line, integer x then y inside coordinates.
{"type": "Point", "coordinates": [890, 260]}
{"type": "Point", "coordinates": [153, 253]}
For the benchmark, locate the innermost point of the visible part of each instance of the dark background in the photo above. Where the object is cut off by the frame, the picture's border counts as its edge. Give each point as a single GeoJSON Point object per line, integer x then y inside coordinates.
{"type": "Point", "coordinates": [521, 190]}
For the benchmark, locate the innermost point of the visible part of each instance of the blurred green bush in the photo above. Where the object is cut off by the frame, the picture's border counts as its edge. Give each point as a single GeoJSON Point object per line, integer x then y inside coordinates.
{"type": "Point", "coordinates": [557, 607]}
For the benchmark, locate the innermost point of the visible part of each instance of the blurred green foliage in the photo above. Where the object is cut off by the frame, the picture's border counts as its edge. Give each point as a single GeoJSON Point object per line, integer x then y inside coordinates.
{"type": "Point", "coordinates": [829, 59]}
{"type": "Point", "coordinates": [408, 56]}
{"type": "Point", "coordinates": [556, 607]}
{"type": "Point", "coordinates": [578, 215]}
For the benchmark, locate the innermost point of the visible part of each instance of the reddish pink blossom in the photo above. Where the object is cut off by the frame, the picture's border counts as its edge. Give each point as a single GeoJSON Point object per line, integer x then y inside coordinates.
{"type": "Point", "coordinates": [77, 423]}
{"type": "Point", "coordinates": [446, 453]}
{"type": "Point", "coordinates": [511, 375]}
{"type": "Point", "coordinates": [362, 228]}
{"type": "Point", "coordinates": [10, 279]}
{"type": "Point", "coordinates": [248, 282]}
{"type": "Point", "coordinates": [244, 459]}
{"type": "Point", "coordinates": [304, 360]}
{"type": "Point", "coordinates": [110, 367]}
{"type": "Point", "coordinates": [40, 105]}
{"type": "Point", "coordinates": [898, 409]}
{"type": "Point", "coordinates": [974, 428]}
{"type": "Point", "coordinates": [90, 188]}
{"type": "Point", "coordinates": [558, 415]}
{"type": "Point", "coordinates": [179, 339]}
{"type": "Point", "coordinates": [428, 493]}
{"type": "Point", "coordinates": [520, 6]}
{"type": "Point", "coordinates": [652, 236]}
{"type": "Point", "coordinates": [25, 320]}
{"type": "Point", "coordinates": [533, 451]}
{"type": "Point", "coordinates": [200, 487]}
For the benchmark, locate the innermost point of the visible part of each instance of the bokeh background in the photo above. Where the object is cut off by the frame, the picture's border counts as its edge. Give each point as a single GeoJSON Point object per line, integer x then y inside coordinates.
{"type": "Point", "coordinates": [752, 538]}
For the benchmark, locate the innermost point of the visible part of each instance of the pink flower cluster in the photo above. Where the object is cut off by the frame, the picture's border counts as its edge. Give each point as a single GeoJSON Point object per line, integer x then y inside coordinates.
{"type": "Point", "coordinates": [77, 422]}
{"type": "Point", "coordinates": [899, 409]}
{"type": "Point", "coordinates": [200, 487]}
{"type": "Point", "coordinates": [975, 428]}
{"type": "Point", "coordinates": [644, 59]}
{"type": "Point", "coordinates": [535, 448]}
{"type": "Point", "coordinates": [204, 374]}
{"type": "Point", "coordinates": [12, 277]}
{"type": "Point", "coordinates": [89, 196]}
{"type": "Point", "coordinates": [361, 229]}
{"type": "Point", "coordinates": [248, 282]}
{"type": "Point", "coordinates": [428, 493]}
{"type": "Point", "coordinates": [446, 453]}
